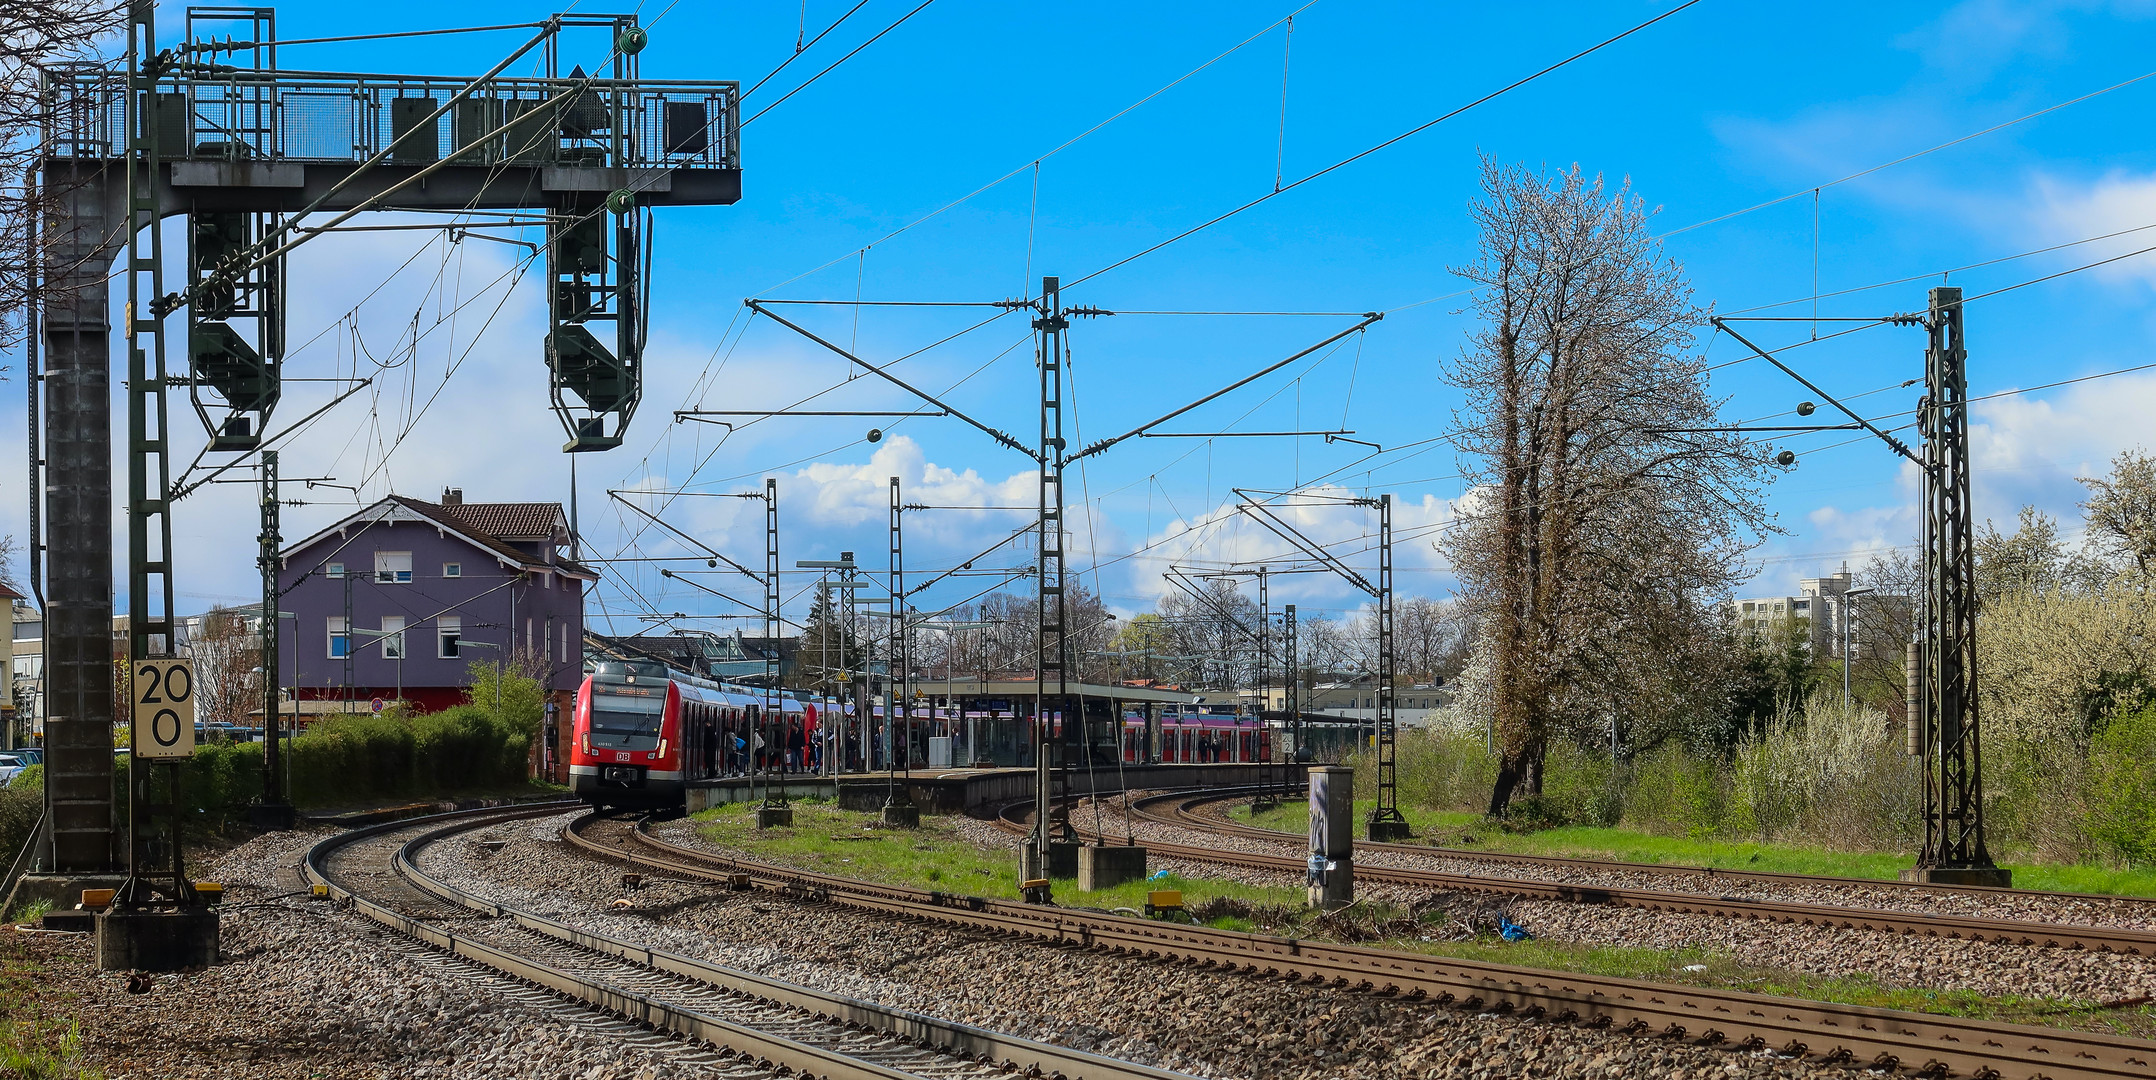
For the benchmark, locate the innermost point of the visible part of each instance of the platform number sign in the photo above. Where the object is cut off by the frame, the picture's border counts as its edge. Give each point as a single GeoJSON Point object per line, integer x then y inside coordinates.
{"type": "Point", "coordinates": [164, 708]}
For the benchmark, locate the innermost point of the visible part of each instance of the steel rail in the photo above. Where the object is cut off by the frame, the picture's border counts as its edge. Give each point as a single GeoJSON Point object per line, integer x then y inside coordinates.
{"type": "Point", "coordinates": [957, 1040]}
{"type": "Point", "coordinates": [1829, 916]}
{"type": "Point", "coordinates": [1672, 870]}
{"type": "Point", "coordinates": [1930, 1045]}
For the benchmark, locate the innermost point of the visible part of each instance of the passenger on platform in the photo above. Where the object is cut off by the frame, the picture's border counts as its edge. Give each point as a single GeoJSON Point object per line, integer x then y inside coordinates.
{"type": "Point", "coordinates": [796, 747]}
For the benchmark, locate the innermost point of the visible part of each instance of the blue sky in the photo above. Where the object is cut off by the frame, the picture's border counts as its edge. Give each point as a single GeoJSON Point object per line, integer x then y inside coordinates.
{"type": "Point", "coordinates": [1717, 109]}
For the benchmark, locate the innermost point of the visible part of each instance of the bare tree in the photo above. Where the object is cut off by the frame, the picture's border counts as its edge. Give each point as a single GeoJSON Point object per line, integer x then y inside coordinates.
{"type": "Point", "coordinates": [34, 34]}
{"type": "Point", "coordinates": [228, 662]}
{"type": "Point", "coordinates": [7, 562]}
{"type": "Point", "coordinates": [1600, 522]}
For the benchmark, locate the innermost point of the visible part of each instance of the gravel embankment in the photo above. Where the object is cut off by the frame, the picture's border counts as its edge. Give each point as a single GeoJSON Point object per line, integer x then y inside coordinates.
{"type": "Point", "coordinates": [1206, 1023]}
{"type": "Point", "coordinates": [306, 989]}
{"type": "Point", "coordinates": [1893, 960]}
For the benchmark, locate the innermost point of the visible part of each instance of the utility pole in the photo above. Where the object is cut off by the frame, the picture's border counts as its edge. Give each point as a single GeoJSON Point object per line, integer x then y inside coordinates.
{"type": "Point", "coordinates": [1264, 800]}
{"type": "Point", "coordinates": [898, 808]}
{"type": "Point", "coordinates": [775, 810]}
{"type": "Point", "coordinates": [275, 810]}
{"type": "Point", "coordinates": [1849, 639]}
{"type": "Point", "coordinates": [1385, 822]}
{"type": "Point", "coordinates": [1291, 702]}
{"type": "Point", "coordinates": [1051, 656]}
{"type": "Point", "coordinates": [1954, 849]}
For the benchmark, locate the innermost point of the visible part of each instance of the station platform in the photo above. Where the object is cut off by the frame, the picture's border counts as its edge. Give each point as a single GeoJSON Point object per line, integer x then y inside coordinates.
{"type": "Point", "coordinates": [962, 791]}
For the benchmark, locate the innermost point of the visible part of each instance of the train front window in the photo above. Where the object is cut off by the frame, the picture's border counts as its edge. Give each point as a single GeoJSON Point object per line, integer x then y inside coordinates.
{"type": "Point", "coordinates": [620, 717]}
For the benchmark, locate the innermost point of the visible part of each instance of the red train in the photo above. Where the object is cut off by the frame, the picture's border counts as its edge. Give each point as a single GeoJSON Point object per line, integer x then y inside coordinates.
{"type": "Point", "coordinates": [1201, 737]}
{"type": "Point", "coordinates": [642, 729]}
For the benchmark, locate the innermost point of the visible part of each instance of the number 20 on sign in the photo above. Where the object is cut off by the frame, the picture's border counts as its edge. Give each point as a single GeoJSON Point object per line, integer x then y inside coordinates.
{"type": "Point", "coordinates": [164, 708]}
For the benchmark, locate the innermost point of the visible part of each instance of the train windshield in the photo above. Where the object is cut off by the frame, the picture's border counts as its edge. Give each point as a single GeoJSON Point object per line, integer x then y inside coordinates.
{"type": "Point", "coordinates": [634, 713]}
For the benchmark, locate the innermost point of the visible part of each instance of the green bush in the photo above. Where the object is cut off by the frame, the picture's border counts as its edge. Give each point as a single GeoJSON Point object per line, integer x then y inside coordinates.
{"type": "Point", "coordinates": [20, 804]}
{"type": "Point", "coordinates": [1675, 792]}
{"type": "Point", "coordinates": [1443, 770]}
{"type": "Point", "coordinates": [2121, 788]}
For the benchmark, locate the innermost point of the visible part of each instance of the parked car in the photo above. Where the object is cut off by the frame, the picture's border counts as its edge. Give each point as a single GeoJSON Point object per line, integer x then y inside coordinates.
{"type": "Point", "coordinates": [30, 755]}
{"type": "Point", "coordinates": [10, 767]}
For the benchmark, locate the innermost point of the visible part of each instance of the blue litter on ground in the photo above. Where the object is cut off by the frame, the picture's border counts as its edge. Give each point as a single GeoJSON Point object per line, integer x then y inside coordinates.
{"type": "Point", "coordinates": [1156, 875]}
{"type": "Point", "coordinates": [1512, 931]}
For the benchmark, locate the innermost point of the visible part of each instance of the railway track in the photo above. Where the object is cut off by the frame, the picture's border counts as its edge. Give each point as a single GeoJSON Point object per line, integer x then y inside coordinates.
{"type": "Point", "coordinates": [1832, 916]}
{"type": "Point", "coordinates": [747, 1019]}
{"type": "Point", "coordinates": [1689, 874]}
{"type": "Point", "coordinates": [1926, 1045]}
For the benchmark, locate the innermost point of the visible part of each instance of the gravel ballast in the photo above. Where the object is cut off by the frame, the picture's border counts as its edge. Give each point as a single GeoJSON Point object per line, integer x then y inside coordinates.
{"type": "Point", "coordinates": [1206, 1023]}
{"type": "Point", "coordinates": [309, 989]}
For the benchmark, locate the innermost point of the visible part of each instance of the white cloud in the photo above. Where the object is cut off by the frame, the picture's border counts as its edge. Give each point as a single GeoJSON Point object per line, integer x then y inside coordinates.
{"type": "Point", "coordinates": [1223, 536]}
{"type": "Point", "coordinates": [2065, 210]}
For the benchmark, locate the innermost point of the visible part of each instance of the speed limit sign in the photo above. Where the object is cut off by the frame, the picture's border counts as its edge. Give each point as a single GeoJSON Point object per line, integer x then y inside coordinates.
{"type": "Point", "coordinates": [164, 708]}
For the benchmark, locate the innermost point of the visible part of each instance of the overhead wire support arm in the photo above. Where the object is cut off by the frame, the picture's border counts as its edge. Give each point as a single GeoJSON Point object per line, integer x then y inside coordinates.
{"type": "Point", "coordinates": [1893, 443]}
{"type": "Point", "coordinates": [1260, 513]}
{"type": "Point", "coordinates": [1002, 437]}
{"type": "Point", "coordinates": [755, 610]}
{"type": "Point", "coordinates": [708, 549]}
{"type": "Point", "coordinates": [1135, 432]}
{"type": "Point", "coordinates": [1329, 435]}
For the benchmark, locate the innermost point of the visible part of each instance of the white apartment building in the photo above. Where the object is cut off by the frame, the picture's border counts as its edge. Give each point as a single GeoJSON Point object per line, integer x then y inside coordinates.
{"type": "Point", "coordinates": [1821, 605]}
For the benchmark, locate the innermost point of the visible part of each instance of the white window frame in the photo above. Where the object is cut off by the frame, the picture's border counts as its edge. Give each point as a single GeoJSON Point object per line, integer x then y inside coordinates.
{"type": "Point", "coordinates": [392, 637]}
{"type": "Point", "coordinates": [449, 637]}
{"type": "Point", "coordinates": [393, 567]}
{"type": "Point", "coordinates": [333, 569]}
{"type": "Point", "coordinates": [452, 569]}
{"type": "Point", "coordinates": [337, 632]}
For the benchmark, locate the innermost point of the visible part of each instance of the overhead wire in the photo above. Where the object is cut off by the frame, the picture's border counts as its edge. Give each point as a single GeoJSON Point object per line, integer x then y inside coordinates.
{"type": "Point", "coordinates": [1408, 134]}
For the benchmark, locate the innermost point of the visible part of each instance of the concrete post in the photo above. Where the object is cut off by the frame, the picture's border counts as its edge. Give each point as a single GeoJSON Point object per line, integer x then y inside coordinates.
{"type": "Point", "coordinates": [1331, 879]}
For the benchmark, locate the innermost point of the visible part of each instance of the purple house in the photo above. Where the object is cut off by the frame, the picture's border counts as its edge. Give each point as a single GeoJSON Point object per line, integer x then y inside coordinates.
{"type": "Point", "coordinates": [397, 600]}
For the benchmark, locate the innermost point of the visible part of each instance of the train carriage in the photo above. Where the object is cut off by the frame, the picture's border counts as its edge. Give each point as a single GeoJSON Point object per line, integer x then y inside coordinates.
{"type": "Point", "coordinates": [642, 730]}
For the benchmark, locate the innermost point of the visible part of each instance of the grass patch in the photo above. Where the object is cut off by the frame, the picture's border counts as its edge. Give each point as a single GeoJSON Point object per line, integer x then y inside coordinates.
{"type": "Point", "coordinates": [34, 1043]}
{"type": "Point", "coordinates": [936, 856]}
{"type": "Point", "coordinates": [1473, 832]}
{"type": "Point", "coordinates": [31, 912]}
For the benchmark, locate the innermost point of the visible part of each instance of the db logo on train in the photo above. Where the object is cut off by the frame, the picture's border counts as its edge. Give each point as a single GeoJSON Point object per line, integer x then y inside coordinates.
{"type": "Point", "coordinates": [164, 709]}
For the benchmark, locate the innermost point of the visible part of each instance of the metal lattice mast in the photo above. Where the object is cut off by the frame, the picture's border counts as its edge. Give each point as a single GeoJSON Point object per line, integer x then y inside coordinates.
{"type": "Point", "coordinates": [1386, 821]}
{"type": "Point", "coordinates": [1051, 652]}
{"type": "Point", "coordinates": [1264, 682]}
{"type": "Point", "coordinates": [1954, 790]}
{"type": "Point", "coordinates": [773, 798]}
{"type": "Point", "coordinates": [1292, 700]}
{"type": "Point", "coordinates": [898, 721]}
{"type": "Point", "coordinates": [270, 542]}
{"type": "Point", "coordinates": [149, 516]}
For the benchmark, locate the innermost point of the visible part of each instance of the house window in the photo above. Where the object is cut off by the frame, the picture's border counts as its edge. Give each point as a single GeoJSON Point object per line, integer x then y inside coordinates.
{"type": "Point", "coordinates": [392, 637]}
{"type": "Point", "coordinates": [335, 569]}
{"type": "Point", "coordinates": [452, 569]}
{"type": "Point", "coordinates": [393, 566]}
{"type": "Point", "coordinates": [340, 643]}
{"type": "Point", "coordinates": [450, 629]}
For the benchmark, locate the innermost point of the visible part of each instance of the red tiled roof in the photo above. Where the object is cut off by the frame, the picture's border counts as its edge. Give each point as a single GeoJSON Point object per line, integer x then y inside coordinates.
{"type": "Point", "coordinates": [10, 594]}
{"type": "Point", "coordinates": [468, 526]}
{"type": "Point", "coordinates": [507, 521]}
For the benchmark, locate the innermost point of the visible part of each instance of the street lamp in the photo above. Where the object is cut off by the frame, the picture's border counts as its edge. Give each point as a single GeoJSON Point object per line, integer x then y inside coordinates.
{"type": "Point", "coordinates": [383, 636]}
{"type": "Point", "coordinates": [1848, 623]}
